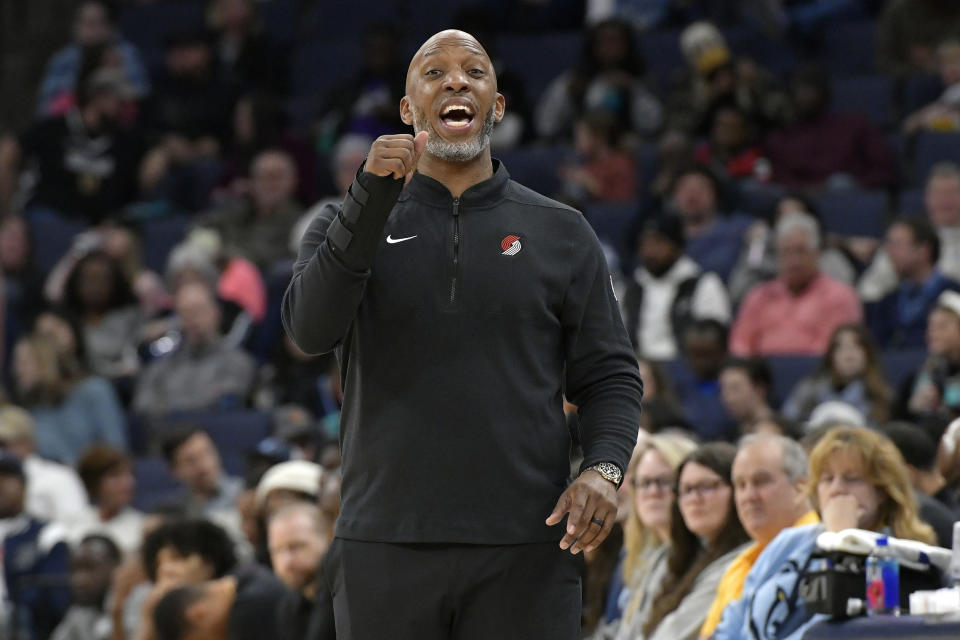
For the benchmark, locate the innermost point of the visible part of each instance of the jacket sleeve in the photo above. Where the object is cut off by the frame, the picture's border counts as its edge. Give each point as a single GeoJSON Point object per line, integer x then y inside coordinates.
{"type": "Point", "coordinates": [602, 376]}
{"type": "Point", "coordinates": [334, 262]}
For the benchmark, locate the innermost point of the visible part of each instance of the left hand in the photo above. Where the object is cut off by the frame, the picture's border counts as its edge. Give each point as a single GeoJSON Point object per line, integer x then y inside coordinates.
{"type": "Point", "coordinates": [589, 496]}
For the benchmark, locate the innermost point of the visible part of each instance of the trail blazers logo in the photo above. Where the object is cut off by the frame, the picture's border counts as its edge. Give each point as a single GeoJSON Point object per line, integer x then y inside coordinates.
{"type": "Point", "coordinates": [510, 245]}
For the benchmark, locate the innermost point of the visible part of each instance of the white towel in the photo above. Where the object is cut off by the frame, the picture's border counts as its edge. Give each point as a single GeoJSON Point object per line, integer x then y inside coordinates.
{"type": "Point", "coordinates": [910, 553]}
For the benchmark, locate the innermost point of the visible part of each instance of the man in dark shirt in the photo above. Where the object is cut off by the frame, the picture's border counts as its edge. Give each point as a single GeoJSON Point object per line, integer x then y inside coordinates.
{"type": "Point", "coordinates": [239, 606]}
{"type": "Point", "coordinates": [460, 323]}
{"type": "Point", "coordinates": [81, 165]}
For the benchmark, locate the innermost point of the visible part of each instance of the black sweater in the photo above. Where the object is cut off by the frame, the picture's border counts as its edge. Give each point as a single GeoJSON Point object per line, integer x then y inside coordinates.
{"type": "Point", "coordinates": [455, 353]}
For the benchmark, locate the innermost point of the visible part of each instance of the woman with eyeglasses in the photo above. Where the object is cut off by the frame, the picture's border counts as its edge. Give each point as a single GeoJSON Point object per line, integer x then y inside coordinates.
{"type": "Point", "coordinates": [858, 479]}
{"type": "Point", "coordinates": [651, 478]}
{"type": "Point", "coordinates": [705, 535]}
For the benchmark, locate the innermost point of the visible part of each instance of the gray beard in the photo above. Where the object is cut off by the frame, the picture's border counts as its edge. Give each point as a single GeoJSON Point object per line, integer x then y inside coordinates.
{"type": "Point", "coordinates": [454, 151]}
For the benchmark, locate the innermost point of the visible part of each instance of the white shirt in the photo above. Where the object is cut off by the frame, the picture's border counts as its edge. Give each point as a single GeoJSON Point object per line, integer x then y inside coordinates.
{"type": "Point", "coordinates": [54, 491]}
{"type": "Point", "coordinates": [710, 300]}
{"type": "Point", "coordinates": [125, 528]}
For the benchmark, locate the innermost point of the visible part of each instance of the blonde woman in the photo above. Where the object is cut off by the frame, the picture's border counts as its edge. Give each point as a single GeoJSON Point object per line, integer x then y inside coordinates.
{"type": "Point", "coordinates": [652, 476]}
{"type": "Point", "coordinates": [858, 479]}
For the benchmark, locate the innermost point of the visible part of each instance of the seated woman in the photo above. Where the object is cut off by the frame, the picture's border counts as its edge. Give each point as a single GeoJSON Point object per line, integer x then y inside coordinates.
{"type": "Point", "coordinates": [651, 476]}
{"type": "Point", "coordinates": [850, 372]}
{"type": "Point", "coordinates": [72, 412]}
{"type": "Point", "coordinates": [705, 536]}
{"type": "Point", "coordinates": [857, 480]}
{"type": "Point", "coordinates": [108, 477]}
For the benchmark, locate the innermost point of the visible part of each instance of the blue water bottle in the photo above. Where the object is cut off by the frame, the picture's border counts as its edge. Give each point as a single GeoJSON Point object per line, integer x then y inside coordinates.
{"type": "Point", "coordinates": [883, 580]}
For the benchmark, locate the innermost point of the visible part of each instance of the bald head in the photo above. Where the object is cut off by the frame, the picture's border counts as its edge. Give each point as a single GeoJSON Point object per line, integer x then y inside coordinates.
{"type": "Point", "coordinates": [444, 39]}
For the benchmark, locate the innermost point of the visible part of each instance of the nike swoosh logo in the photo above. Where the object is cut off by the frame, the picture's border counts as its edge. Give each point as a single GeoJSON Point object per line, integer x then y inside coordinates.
{"type": "Point", "coordinates": [392, 240]}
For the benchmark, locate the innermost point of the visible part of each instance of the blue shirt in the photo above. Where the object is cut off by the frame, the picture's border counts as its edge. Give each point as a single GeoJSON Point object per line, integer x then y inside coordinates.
{"type": "Point", "coordinates": [90, 414]}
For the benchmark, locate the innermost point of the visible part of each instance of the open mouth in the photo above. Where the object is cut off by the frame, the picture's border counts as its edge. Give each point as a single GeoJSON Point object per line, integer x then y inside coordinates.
{"type": "Point", "coordinates": [457, 116]}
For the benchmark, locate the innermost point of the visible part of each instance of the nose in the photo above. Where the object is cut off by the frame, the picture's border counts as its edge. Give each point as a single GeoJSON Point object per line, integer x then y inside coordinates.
{"type": "Point", "coordinates": [457, 81]}
{"type": "Point", "coordinates": [836, 487]}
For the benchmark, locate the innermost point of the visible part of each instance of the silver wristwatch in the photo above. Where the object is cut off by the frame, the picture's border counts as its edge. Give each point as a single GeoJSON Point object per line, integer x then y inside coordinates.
{"type": "Point", "coordinates": [609, 471]}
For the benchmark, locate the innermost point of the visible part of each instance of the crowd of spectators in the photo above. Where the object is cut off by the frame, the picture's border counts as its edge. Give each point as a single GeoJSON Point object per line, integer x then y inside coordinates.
{"type": "Point", "coordinates": [786, 256]}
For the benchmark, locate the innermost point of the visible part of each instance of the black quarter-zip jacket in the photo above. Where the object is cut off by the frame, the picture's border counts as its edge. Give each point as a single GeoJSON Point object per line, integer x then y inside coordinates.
{"type": "Point", "coordinates": [458, 324]}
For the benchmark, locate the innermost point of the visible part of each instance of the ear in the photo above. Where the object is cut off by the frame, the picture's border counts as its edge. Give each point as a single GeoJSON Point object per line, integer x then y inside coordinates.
{"type": "Point", "coordinates": [499, 107]}
{"type": "Point", "coordinates": [406, 112]}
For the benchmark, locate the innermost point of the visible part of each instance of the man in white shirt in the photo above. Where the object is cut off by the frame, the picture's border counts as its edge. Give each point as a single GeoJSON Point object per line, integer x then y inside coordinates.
{"type": "Point", "coordinates": [54, 492]}
{"type": "Point", "coordinates": [668, 291]}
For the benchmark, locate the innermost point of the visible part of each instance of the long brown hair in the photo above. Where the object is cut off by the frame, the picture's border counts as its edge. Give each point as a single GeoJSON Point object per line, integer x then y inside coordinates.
{"type": "Point", "coordinates": [884, 468]}
{"type": "Point", "coordinates": [878, 391]}
{"type": "Point", "coordinates": [687, 559]}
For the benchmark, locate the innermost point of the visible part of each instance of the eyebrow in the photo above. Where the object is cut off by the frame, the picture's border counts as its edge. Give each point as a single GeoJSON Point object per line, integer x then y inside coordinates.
{"type": "Point", "coordinates": [436, 49]}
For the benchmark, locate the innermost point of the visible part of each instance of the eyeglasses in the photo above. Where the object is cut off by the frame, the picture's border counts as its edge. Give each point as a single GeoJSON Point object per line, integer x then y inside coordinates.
{"type": "Point", "coordinates": [702, 489]}
{"type": "Point", "coordinates": [660, 483]}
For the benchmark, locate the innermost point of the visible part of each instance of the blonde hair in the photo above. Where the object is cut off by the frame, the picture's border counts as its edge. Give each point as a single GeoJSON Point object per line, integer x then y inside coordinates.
{"type": "Point", "coordinates": [638, 539]}
{"type": "Point", "coordinates": [57, 371]}
{"type": "Point", "coordinates": [884, 468]}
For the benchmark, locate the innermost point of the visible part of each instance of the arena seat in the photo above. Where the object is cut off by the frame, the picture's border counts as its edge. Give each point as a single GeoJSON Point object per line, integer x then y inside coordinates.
{"type": "Point", "coordinates": [149, 25]}
{"type": "Point", "coordinates": [854, 212]}
{"type": "Point", "coordinates": [154, 482]}
{"type": "Point", "coordinates": [932, 148]}
{"type": "Point", "coordinates": [612, 222]}
{"type": "Point", "coordinates": [787, 371]}
{"type": "Point", "coordinates": [320, 64]}
{"type": "Point", "coordinates": [900, 364]}
{"type": "Point", "coordinates": [158, 237]}
{"type": "Point", "coordinates": [920, 90]}
{"type": "Point", "coordinates": [52, 236]}
{"type": "Point", "coordinates": [538, 59]}
{"type": "Point", "coordinates": [758, 198]}
{"type": "Point", "coordinates": [911, 203]}
{"type": "Point", "coordinates": [871, 96]}
{"type": "Point", "coordinates": [849, 47]}
{"type": "Point", "coordinates": [233, 431]}
{"type": "Point", "coordinates": [535, 167]}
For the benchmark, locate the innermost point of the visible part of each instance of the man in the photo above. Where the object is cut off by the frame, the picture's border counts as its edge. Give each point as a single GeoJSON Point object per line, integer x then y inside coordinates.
{"type": "Point", "coordinates": [744, 387]}
{"type": "Point", "coordinates": [899, 320]}
{"type": "Point", "coordinates": [934, 499]}
{"type": "Point", "coordinates": [234, 607]}
{"type": "Point", "coordinates": [457, 338]}
{"type": "Point", "coordinates": [769, 488]}
{"type": "Point", "coordinates": [35, 561]}
{"type": "Point", "coordinates": [668, 291]}
{"type": "Point", "coordinates": [193, 459]}
{"type": "Point", "coordinates": [92, 564]}
{"type": "Point", "coordinates": [797, 313]}
{"type": "Point", "coordinates": [198, 553]}
{"type": "Point", "coordinates": [704, 352]}
{"type": "Point", "coordinates": [203, 372]}
{"type": "Point", "coordinates": [258, 227]}
{"type": "Point", "coordinates": [54, 491]}
{"type": "Point", "coordinates": [941, 201]}
{"type": "Point", "coordinates": [94, 26]}
{"type": "Point", "coordinates": [713, 239]}
{"type": "Point", "coordinates": [82, 165]}
{"type": "Point", "coordinates": [820, 148]}
{"type": "Point", "coordinates": [298, 536]}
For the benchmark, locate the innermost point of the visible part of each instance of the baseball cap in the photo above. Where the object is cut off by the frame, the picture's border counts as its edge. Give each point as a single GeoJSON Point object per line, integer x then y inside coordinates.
{"type": "Point", "coordinates": [16, 424]}
{"type": "Point", "coordinates": [295, 475]}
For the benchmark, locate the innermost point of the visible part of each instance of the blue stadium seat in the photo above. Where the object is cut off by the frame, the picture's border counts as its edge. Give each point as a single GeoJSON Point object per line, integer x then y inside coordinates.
{"type": "Point", "coordinates": [932, 148]}
{"type": "Point", "coordinates": [279, 19]}
{"type": "Point", "coordinates": [235, 432]}
{"type": "Point", "coordinates": [849, 47]}
{"type": "Point", "coordinates": [158, 237]}
{"type": "Point", "coordinates": [343, 18]}
{"type": "Point", "coordinates": [52, 236]}
{"type": "Point", "coordinates": [772, 55]}
{"type": "Point", "coordinates": [320, 64]}
{"type": "Point", "coordinates": [662, 55]}
{"type": "Point", "coordinates": [899, 364]}
{"type": "Point", "coordinates": [612, 222]}
{"type": "Point", "coordinates": [535, 167]}
{"type": "Point", "coordinates": [787, 372]}
{"type": "Point", "coordinates": [758, 198]}
{"type": "Point", "coordinates": [911, 203]}
{"type": "Point", "coordinates": [149, 25]}
{"type": "Point", "coordinates": [854, 212]}
{"type": "Point", "coordinates": [154, 482]}
{"type": "Point", "coordinates": [871, 96]}
{"type": "Point", "coordinates": [538, 59]}
{"type": "Point", "coordinates": [919, 91]}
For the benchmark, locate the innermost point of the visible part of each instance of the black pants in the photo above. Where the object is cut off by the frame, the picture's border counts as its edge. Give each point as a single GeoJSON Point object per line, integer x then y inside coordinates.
{"type": "Point", "coordinates": [453, 592]}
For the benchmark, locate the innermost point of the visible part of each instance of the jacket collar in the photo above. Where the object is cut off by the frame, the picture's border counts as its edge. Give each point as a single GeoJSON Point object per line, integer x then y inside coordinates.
{"type": "Point", "coordinates": [429, 191]}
